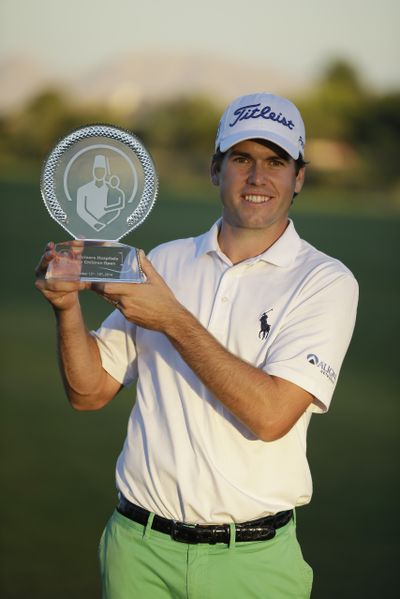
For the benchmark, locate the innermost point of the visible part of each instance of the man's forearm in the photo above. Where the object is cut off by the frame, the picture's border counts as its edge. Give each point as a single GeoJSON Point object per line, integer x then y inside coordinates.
{"type": "Point", "coordinates": [79, 359]}
{"type": "Point", "coordinates": [267, 405]}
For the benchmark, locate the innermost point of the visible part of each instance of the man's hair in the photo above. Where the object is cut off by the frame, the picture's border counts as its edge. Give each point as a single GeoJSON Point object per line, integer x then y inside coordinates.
{"type": "Point", "coordinates": [299, 163]}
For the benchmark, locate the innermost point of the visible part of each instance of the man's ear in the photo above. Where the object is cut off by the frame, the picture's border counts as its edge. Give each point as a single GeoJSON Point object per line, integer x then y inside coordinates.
{"type": "Point", "coordinates": [300, 179]}
{"type": "Point", "coordinates": [214, 173]}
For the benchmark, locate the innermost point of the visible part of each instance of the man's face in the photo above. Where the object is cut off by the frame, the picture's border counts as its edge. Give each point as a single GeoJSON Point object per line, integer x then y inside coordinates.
{"type": "Point", "coordinates": [256, 186]}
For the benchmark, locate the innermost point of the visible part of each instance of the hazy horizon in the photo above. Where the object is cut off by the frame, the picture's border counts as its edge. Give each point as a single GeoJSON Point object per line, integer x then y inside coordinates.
{"type": "Point", "coordinates": [296, 40]}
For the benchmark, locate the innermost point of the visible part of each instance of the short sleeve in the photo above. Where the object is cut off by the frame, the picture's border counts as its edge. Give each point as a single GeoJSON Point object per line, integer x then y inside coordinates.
{"type": "Point", "coordinates": [310, 346]}
{"type": "Point", "coordinates": [116, 342]}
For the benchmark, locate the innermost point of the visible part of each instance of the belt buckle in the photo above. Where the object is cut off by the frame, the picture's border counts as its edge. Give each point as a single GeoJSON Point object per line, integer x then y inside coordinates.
{"type": "Point", "coordinates": [182, 533]}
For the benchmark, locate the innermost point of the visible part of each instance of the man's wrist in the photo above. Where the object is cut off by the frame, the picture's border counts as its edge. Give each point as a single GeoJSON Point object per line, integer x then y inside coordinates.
{"type": "Point", "coordinates": [178, 322]}
{"type": "Point", "coordinates": [68, 311]}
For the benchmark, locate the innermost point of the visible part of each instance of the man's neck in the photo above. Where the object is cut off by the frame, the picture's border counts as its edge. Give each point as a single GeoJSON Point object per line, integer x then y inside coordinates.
{"type": "Point", "coordinates": [240, 244]}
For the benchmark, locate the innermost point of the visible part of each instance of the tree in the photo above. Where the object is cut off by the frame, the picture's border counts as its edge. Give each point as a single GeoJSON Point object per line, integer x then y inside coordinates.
{"type": "Point", "coordinates": [32, 132]}
{"type": "Point", "coordinates": [376, 134]}
{"type": "Point", "coordinates": [333, 102]}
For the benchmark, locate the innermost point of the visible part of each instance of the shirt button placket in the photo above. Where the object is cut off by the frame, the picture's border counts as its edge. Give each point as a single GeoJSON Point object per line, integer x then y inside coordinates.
{"type": "Point", "coordinates": [222, 306]}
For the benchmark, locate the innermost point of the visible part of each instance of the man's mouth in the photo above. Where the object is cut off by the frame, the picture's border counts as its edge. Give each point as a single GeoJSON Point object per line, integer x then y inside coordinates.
{"type": "Point", "coordinates": [257, 199]}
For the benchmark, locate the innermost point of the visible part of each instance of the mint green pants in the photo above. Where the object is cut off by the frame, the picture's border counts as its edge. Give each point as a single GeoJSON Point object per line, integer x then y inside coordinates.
{"type": "Point", "coordinates": [140, 563]}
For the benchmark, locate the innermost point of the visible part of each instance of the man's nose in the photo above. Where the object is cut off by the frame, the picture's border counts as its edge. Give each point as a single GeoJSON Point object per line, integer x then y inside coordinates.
{"type": "Point", "coordinates": [257, 174]}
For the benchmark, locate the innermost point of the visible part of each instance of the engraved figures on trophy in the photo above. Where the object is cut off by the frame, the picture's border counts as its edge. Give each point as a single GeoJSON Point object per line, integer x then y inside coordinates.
{"type": "Point", "coordinates": [100, 201]}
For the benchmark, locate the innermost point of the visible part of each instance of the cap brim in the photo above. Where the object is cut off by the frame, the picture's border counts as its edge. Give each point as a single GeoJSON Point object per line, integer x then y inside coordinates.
{"type": "Point", "coordinates": [283, 143]}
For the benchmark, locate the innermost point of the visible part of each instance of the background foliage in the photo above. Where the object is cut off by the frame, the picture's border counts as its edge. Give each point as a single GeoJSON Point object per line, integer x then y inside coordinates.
{"type": "Point", "coordinates": [339, 109]}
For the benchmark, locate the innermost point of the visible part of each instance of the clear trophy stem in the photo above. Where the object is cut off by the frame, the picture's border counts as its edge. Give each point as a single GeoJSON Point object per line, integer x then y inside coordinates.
{"type": "Point", "coordinates": [96, 261]}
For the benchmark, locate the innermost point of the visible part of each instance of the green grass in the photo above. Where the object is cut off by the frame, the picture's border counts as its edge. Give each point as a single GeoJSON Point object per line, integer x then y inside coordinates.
{"type": "Point", "coordinates": [58, 465]}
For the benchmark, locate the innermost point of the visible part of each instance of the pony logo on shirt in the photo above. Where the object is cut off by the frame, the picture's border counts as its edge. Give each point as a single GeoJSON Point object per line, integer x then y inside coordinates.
{"type": "Point", "coordinates": [265, 327]}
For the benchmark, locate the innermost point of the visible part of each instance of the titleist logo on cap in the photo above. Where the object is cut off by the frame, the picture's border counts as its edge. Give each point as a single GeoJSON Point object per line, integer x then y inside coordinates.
{"type": "Point", "coordinates": [262, 116]}
{"type": "Point", "coordinates": [253, 111]}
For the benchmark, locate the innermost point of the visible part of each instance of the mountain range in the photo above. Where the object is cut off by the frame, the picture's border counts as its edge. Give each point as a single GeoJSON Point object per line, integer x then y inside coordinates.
{"type": "Point", "coordinates": [131, 79]}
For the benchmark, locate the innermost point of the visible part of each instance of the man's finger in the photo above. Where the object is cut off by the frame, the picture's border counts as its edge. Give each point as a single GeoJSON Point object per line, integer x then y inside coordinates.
{"type": "Point", "coordinates": [147, 266]}
{"type": "Point", "coordinates": [45, 260]}
{"type": "Point", "coordinates": [106, 289]}
{"type": "Point", "coordinates": [60, 286]}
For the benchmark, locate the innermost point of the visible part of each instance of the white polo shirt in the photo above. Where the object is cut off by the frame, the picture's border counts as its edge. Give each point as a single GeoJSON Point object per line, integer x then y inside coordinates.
{"type": "Point", "coordinates": [290, 312]}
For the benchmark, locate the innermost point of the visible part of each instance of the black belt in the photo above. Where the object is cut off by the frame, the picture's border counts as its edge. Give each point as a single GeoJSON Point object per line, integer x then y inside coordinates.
{"type": "Point", "coordinates": [262, 529]}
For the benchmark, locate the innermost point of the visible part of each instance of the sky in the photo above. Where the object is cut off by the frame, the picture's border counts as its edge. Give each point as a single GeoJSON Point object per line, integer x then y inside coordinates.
{"type": "Point", "coordinates": [296, 36]}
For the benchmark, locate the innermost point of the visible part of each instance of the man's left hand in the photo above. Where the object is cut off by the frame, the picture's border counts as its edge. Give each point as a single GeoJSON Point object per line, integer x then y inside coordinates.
{"type": "Point", "coordinates": [150, 305]}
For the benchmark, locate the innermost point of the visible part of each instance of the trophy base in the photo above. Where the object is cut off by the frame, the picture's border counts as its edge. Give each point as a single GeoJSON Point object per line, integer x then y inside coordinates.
{"type": "Point", "coordinates": [95, 261]}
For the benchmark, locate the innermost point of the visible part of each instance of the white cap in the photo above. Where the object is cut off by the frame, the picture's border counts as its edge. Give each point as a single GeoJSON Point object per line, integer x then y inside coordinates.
{"type": "Point", "coordinates": [262, 116]}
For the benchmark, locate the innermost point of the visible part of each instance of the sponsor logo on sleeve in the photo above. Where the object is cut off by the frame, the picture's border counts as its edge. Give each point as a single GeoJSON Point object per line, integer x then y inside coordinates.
{"type": "Point", "coordinates": [323, 367]}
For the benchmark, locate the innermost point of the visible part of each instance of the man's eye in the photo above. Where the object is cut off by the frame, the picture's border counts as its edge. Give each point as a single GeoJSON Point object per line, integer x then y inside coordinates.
{"type": "Point", "coordinates": [275, 162]}
{"type": "Point", "coordinates": [241, 159]}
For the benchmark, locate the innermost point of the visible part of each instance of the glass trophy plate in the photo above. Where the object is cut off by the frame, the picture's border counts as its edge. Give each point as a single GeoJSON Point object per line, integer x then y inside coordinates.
{"type": "Point", "coordinates": [99, 183]}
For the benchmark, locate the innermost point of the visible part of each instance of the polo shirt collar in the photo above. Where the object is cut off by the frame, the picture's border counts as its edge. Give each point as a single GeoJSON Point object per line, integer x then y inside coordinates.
{"type": "Point", "coordinates": [208, 242]}
{"type": "Point", "coordinates": [285, 249]}
{"type": "Point", "coordinates": [282, 253]}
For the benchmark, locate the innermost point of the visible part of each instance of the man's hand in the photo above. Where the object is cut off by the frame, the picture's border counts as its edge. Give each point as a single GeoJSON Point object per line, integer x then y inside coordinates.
{"type": "Point", "coordinates": [151, 305]}
{"type": "Point", "coordinates": [62, 295]}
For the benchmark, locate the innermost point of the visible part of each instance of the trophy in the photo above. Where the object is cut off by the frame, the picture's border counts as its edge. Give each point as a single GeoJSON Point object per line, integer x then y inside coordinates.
{"type": "Point", "coordinates": [99, 183]}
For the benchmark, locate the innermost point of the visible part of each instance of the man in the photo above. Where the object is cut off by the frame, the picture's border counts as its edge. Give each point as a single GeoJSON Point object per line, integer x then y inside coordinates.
{"type": "Point", "coordinates": [236, 338]}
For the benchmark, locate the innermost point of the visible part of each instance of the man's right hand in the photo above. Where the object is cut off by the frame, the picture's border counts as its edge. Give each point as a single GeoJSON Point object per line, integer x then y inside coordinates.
{"type": "Point", "coordinates": [62, 295]}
